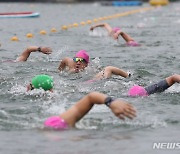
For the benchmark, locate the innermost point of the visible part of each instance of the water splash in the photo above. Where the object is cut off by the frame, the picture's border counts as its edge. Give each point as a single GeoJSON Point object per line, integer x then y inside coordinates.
{"type": "Point", "coordinates": [100, 32]}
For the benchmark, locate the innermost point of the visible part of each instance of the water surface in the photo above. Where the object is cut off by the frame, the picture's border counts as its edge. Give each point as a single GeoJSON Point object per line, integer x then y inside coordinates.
{"type": "Point", "coordinates": [22, 113]}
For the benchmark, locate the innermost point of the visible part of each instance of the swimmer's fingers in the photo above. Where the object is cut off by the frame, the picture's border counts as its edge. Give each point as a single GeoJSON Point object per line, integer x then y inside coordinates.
{"type": "Point", "coordinates": [115, 36]}
{"type": "Point", "coordinates": [120, 108]}
{"type": "Point", "coordinates": [130, 113]}
{"type": "Point", "coordinates": [121, 116]}
{"type": "Point", "coordinates": [131, 108]}
{"type": "Point", "coordinates": [127, 113]}
{"type": "Point", "coordinates": [46, 50]}
{"type": "Point", "coordinates": [91, 28]}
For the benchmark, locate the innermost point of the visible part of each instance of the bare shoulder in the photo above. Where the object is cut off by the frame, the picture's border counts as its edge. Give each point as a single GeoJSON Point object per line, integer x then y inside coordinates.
{"type": "Point", "coordinates": [67, 59]}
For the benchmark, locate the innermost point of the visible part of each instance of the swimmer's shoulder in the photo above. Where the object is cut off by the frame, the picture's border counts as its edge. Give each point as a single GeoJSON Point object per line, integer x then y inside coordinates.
{"type": "Point", "coordinates": [67, 60]}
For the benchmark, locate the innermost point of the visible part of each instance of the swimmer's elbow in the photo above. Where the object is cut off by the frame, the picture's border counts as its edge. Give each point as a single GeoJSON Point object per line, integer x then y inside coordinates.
{"type": "Point", "coordinates": [91, 96]}
{"type": "Point", "coordinates": [28, 49]}
{"type": "Point", "coordinates": [62, 65]}
{"type": "Point", "coordinates": [96, 98]}
{"type": "Point", "coordinates": [105, 24]}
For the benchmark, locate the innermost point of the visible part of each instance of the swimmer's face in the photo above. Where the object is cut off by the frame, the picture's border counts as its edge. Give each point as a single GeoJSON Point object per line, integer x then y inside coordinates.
{"type": "Point", "coordinates": [30, 87]}
{"type": "Point", "coordinates": [80, 64]}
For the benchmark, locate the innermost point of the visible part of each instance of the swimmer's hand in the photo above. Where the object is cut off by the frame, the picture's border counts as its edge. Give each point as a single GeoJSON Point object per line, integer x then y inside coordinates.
{"type": "Point", "coordinates": [46, 50]}
{"type": "Point", "coordinates": [116, 36]}
{"type": "Point", "coordinates": [92, 28]}
{"type": "Point", "coordinates": [129, 74]}
{"type": "Point", "coordinates": [122, 109]}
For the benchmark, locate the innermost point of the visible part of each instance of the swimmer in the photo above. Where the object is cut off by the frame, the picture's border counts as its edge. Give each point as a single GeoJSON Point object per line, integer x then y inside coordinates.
{"type": "Point", "coordinates": [157, 87]}
{"type": "Point", "coordinates": [76, 64]}
{"type": "Point", "coordinates": [68, 119]}
{"type": "Point", "coordinates": [26, 53]}
{"type": "Point", "coordinates": [115, 32]}
{"type": "Point", "coordinates": [80, 62]}
{"type": "Point", "coordinates": [41, 82]}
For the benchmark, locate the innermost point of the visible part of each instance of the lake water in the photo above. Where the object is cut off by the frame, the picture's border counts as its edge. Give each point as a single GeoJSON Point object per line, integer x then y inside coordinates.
{"type": "Point", "coordinates": [22, 113]}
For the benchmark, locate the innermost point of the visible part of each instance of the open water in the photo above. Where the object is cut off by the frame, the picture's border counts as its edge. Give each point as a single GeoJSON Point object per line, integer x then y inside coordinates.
{"type": "Point", "coordinates": [22, 113]}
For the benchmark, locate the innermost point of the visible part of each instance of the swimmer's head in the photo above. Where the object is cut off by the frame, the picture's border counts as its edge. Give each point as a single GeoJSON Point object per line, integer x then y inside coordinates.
{"type": "Point", "coordinates": [42, 81]}
{"type": "Point", "coordinates": [133, 43]}
{"type": "Point", "coordinates": [137, 91]}
{"type": "Point", "coordinates": [82, 54]}
{"type": "Point", "coordinates": [116, 29]}
{"type": "Point", "coordinates": [55, 122]}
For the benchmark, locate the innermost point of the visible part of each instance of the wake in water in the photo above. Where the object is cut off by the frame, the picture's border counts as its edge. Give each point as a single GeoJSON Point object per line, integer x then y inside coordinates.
{"type": "Point", "coordinates": [173, 89]}
{"type": "Point", "coordinates": [100, 32]}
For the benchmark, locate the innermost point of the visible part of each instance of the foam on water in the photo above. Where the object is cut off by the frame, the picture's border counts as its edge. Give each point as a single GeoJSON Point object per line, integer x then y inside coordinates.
{"type": "Point", "coordinates": [100, 32]}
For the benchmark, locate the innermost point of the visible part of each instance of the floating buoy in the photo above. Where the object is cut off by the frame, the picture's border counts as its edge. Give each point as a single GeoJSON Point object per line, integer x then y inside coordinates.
{"type": "Point", "coordinates": [89, 22]}
{"type": "Point", "coordinates": [64, 27]}
{"type": "Point", "coordinates": [82, 23]}
{"type": "Point", "coordinates": [95, 20]}
{"type": "Point", "coordinates": [29, 35]}
{"type": "Point", "coordinates": [14, 38]}
{"type": "Point", "coordinates": [158, 2]}
{"type": "Point", "coordinates": [53, 30]}
{"type": "Point", "coordinates": [75, 25]}
{"type": "Point", "coordinates": [104, 18]}
{"type": "Point", "coordinates": [109, 17]}
{"type": "Point", "coordinates": [43, 32]}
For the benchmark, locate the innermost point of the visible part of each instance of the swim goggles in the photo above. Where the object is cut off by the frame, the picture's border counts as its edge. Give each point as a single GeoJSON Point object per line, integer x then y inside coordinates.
{"type": "Point", "coordinates": [31, 86]}
{"type": "Point", "coordinates": [79, 59]}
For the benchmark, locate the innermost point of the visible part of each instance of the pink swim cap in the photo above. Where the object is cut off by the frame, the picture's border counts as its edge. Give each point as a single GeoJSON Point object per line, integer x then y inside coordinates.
{"type": "Point", "coordinates": [115, 29]}
{"type": "Point", "coordinates": [82, 54]}
{"type": "Point", "coordinates": [56, 122]}
{"type": "Point", "coordinates": [133, 43]}
{"type": "Point", "coordinates": [137, 91]}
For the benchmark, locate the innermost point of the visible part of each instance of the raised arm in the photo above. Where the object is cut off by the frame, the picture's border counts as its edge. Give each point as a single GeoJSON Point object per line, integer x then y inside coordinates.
{"type": "Point", "coordinates": [120, 108]}
{"type": "Point", "coordinates": [105, 25]}
{"type": "Point", "coordinates": [26, 53]}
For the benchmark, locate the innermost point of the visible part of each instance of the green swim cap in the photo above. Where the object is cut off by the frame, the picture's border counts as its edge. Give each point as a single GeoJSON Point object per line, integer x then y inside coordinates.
{"type": "Point", "coordinates": [42, 81]}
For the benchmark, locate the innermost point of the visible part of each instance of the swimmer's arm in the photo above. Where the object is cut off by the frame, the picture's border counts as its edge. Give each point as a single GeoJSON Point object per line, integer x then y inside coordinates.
{"type": "Point", "coordinates": [124, 35]}
{"type": "Point", "coordinates": [120, 108]}
{"type": "Point", "coordinates": [173, 79]}
{"type": "Point", "coordinates": [105, 25]}
{"type": "Point", "coordinates": [26, 53]}
{"type": "Point", "coordinates": [110, 70]}
{"type": "Point", "coordinates": [63, 64]}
